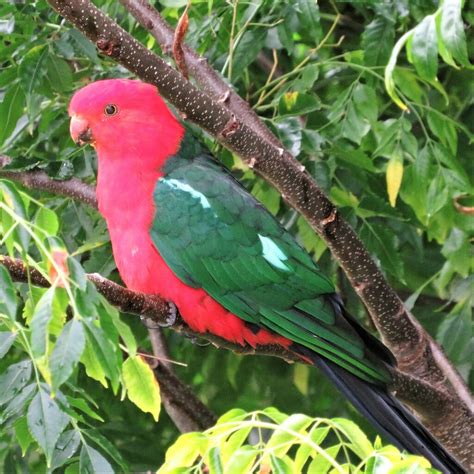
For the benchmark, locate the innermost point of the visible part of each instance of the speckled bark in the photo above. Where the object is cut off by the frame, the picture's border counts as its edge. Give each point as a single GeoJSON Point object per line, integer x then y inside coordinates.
{"type": "Point", "coordinates": [411, 345]}
{"type": "Point", "coordinates": [206, 77]}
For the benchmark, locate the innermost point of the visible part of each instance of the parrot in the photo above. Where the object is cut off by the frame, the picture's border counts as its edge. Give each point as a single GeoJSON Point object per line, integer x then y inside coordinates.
{"type": "Point", "coordinates": [182, 227]}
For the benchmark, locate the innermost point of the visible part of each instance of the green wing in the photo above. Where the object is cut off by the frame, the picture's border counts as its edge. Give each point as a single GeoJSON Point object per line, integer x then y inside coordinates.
{"type": "Point", "coordinates": [214, 235]}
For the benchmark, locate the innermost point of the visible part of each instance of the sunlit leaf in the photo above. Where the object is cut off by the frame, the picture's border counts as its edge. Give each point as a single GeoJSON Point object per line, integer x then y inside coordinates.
{"type": "Point", "coordinates": [141, 384]}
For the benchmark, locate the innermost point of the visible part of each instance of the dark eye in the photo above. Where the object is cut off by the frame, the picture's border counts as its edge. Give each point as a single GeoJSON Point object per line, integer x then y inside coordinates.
{"type": "Point", "coordinates": [110, 109]}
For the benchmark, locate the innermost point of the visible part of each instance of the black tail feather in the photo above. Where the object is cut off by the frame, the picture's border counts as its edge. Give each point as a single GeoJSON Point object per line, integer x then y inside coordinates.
{"type": "Point", "coordinates": [387, 414]}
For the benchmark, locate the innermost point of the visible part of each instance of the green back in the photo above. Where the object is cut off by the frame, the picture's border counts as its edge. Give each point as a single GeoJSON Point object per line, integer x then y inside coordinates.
{"type": "Point", "coordinates": [214, 235]}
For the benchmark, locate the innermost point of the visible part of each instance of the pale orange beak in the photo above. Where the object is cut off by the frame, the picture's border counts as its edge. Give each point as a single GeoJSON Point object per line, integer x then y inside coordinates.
{"type": "Point", "coordinates": [80, 130]}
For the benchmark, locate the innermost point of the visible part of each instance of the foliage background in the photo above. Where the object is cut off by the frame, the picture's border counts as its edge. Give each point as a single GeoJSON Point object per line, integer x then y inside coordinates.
{"type": "Point", "coordinates": [327, 101]}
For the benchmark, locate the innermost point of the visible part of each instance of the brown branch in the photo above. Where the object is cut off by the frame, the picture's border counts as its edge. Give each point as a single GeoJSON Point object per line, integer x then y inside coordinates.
{"type": "Point", "coordinates": [73, 188]}
{"type": "Point", "coordinates": [206, 77]}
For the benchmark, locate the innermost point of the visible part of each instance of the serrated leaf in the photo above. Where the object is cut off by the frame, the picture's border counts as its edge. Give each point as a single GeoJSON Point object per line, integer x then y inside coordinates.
{"type": "Point", "coordinates": [8, 301]}
{"type": "Point", "coordinates": [424, 48]}
{"type": "Point", "coordinates": [141, 384]}
{"type": "Point", "coordinates": [13, 380]}
{"type": "Point", "coordinates": [39, 323]}
{"type": "Point", "coordinates": [67, 352]}
{"type": "Point", "coordinates": [92, 462]}
{"type": "Point", "coordinates": [394, 176]}
{"type": "Point", "coordinates": [17, 404]}
{"type": "Point", "coordinates": [65, 448]}
{"type": "Point", "coordinates": [46, 422]}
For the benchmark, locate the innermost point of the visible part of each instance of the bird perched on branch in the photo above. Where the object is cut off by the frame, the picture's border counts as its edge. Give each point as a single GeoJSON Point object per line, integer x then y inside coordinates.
{"type": "Point", "coordinates": [183, 228]}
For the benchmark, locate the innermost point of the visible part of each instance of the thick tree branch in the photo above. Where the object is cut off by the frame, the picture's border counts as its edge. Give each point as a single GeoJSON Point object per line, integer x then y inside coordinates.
{"type": "Point", "coordinates": [197, 66]}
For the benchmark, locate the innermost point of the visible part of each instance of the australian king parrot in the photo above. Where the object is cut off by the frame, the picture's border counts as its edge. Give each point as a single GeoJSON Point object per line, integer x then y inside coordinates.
{"type": "Point", "coordinates": [184, 228]}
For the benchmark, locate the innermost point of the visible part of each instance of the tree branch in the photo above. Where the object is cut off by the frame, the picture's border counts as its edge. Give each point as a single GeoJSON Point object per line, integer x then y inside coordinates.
{"type": "Point", "coordinates": [197, 66]}
{"type": "Point", "coordinates": [73, 188]}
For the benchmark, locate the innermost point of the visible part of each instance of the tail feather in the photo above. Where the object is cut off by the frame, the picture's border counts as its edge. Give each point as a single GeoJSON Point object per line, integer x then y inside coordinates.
{"type": "Point", "coordinates": [387, 415]}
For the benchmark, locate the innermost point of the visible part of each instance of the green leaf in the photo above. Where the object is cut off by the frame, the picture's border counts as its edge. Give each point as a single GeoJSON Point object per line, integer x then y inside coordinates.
{"type": "Point", "coordinates": [16, 406]}
{"type": "Point", "coordinates": [14, 201]}
{"type": "Point", "coordinates": [47, 220]}
{"type": "Point", "coordinates": [141, 384]}
{"type": "Point", "coordinates": [281, 441]}
{"type": "Point", "coordinates": [296, 103]}
{"type": "Point", "coordinates": [67, 352]}
{"type": "Point", "coordinates": [65, 448]}
{"type": "Point", "coordinates": [22, 434]}
{"type": "Point", "coordinates": [92, 462]}
{"type": "Point", "coordinates": [11, 109]}
{"type": "Point", "coordinates": [424, 48]}
{"type": "Point", "coordinates": [320, 465]}
{"type": "Point", "coordinates": [308, 14]}
{"type": "Point", "coordinates": [214, 461]}
{"type": "Point", "coordinates": [104, 351]}
{"type": "Point", "coordinates": [267, 195]}
{"type": "Point", "coordinates": [13, 380]}
{"type": "Point", "coordinates": [185, 451]}
{"type": "Point", "coordinates": [354, 126]}
{"type": "Point", "coordinates": [46, 422]}
{"type": "Point", "coordinates": [39, 323]}
{"type": "Point", "coordinates": [84, 46]}
{"type": "Point", "coordinates": [241, 460]}
{"type": "Point", "coordinates": [82, 405]}
{"type": "Point", "coordinates": [281, 465]}
{"type": "Point", "coordinates": [8, 302]}
{"type": "Point", "coordinates": [58, 73]}
{"type": "Point", "coordinates": [437, 195]}
{"type": "Point", "coordinates": [452, 31]}
{"type": "Point", "coordinates": [301, 377]}
{"type": "Point", "coordinates": [359, 442]}
{"type": "Point", "coordinates": [6, 341]}
{"type": "Point", "coordinates": [31, 72]}
{"type": "Point", "coordinates": [365, 102]}
{"type": "Point", "coordinates": [377, 41]}
{"type": "Point", "coordinates": [290, 133]}
{"type": "Point", "coordinates": [455, 333]}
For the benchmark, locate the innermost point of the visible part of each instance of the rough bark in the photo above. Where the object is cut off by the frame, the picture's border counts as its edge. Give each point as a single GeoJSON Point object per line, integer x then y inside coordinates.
{"type": "Point", "coordinates": [415, 350]}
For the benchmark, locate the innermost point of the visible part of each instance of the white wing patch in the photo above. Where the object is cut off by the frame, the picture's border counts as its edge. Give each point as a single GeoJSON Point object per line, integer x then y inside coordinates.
{"type": "Point", "coordinates": [273, 254]}
{"type": "Point", "coordinates": [174, 183]}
